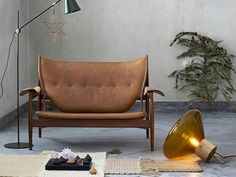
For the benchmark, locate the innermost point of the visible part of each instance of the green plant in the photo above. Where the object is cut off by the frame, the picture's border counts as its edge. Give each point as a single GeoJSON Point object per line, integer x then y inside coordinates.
{"type": "Point", "coordinates": [208, 72]}
{"type": "Point", "coordinates": [114, 151]}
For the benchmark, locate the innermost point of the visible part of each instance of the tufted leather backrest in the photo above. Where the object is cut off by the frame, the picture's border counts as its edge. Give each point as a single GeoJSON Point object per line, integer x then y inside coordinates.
{"type": "Point", "coordinates": [92, 87]}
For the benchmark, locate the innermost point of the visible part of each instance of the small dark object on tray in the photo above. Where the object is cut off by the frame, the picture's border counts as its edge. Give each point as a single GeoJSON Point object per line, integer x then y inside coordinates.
{"type": "Point", "coordinates": [56, 161]}
{"type": "Point", "coordinates": [88, 157]}
{"type": "Point", "coordinates": [62, 160]}
{"type": "Point", "coordinates": [61, 164]}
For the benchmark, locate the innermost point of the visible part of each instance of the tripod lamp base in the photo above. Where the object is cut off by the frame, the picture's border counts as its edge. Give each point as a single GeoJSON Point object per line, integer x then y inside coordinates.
{"type": "Point", "coordinates": [17, 145]}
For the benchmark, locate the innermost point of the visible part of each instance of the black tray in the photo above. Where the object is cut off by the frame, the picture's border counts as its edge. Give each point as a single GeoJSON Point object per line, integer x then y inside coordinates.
{"type": "Point", "coordinates": [66, 166]}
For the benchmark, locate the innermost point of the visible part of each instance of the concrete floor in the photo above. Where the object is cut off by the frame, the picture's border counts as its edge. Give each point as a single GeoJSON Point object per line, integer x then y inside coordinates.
{"type": "Point", "coordinates": [220, 128]}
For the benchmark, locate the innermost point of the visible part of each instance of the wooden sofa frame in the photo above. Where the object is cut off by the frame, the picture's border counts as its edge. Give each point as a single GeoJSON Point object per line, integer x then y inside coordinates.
{"type": "Point", "coordinates": [145, 123]}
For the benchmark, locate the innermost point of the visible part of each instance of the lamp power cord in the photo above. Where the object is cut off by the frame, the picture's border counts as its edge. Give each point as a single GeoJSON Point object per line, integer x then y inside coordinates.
{"type": "Point", "coordinates": [5, 70]}
{"type": "Point", "coordinates": [227, 156]}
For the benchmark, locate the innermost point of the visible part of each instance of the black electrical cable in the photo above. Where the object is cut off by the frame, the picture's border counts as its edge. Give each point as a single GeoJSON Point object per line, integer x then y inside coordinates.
{"type": "Point", "coordinates": [5, 70]}
{"type": "Point", "coordinates": [227, 156]}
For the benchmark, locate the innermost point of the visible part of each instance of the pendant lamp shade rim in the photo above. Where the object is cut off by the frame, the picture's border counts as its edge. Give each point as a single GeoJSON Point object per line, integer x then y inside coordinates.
{"type": "Point", "coordinates": [71, 6]}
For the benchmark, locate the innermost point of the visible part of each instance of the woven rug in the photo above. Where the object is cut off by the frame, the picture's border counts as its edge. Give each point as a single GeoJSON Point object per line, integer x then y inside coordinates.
{"type": "Point", "coordinates": [34, 166]}
{"type": "Point", "coordinates": [170, 165]}
{"type": "Point", "coordinates": [149, 166]}
{"type": "Point", "coordinates": [122, 166]}
{"type": "Point", "coordinates": [21, 165]}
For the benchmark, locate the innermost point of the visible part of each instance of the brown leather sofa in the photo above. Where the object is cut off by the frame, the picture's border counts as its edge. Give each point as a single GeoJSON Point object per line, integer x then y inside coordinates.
{"type": "Point", "coordinates": [92, 94]}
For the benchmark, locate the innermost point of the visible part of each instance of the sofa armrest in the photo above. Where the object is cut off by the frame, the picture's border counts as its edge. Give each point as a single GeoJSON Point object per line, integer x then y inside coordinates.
{"type": "Point", "coordinates": [152, 90]}
{"type": "Point", "coordinates": [36, 90]}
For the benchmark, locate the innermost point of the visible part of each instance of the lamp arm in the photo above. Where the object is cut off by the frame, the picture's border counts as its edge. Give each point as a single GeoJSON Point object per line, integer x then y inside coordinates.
{"type": "Point", "coordinates": [18, 30]}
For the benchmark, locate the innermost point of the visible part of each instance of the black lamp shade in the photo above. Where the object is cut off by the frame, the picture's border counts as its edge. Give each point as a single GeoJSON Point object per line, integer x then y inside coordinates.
{"type": "Point", "coordinates": [71, 6]}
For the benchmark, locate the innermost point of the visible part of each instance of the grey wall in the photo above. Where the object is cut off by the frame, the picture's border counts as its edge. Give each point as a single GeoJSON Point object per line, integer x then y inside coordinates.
{"type": "Point", "coordinates": [125, 29]}
{"type": "Point", "coordinates": [8, 22]}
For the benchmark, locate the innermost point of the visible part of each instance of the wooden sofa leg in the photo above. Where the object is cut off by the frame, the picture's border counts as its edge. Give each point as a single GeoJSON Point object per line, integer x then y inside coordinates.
{"type": "Point", "coordinates": [147, 118]}
{"type": "Point", "coordinates": [30, 138]}
{"type": "Point", "coordinates": [40, 132]}
{"type": "Point", "coordinates": [147, 133]}
{"type": "Point", "coordinates": [152, 138]}
{"type": "Point", "coordinates": [152, 126]}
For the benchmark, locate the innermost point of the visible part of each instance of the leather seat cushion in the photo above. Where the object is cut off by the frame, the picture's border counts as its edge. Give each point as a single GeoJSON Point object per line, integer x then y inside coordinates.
{"type": "Point", "coordinates": [60, 115]}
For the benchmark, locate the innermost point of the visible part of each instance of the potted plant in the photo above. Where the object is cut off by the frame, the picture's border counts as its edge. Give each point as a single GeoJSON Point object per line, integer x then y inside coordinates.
{"type": "Point", "coordinates": [208, 70]}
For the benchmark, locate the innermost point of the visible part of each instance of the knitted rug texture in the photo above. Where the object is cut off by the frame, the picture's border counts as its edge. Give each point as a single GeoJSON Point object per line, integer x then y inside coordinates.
{"type": "Point", "coordinates": [149, 166]}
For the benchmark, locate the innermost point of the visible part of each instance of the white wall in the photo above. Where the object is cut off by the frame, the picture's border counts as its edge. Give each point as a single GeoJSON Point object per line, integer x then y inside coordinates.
{"type": "Point", "coordinates": [126, 29]}
{"type": "Point", "coordinates": [8, 24]}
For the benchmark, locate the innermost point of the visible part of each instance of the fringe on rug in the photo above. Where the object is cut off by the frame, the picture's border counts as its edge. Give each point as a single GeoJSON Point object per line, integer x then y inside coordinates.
{"type": "Point", "coordinates": [149, 167]}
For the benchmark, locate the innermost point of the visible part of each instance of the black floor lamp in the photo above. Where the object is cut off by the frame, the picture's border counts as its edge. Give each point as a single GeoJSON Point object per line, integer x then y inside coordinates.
{"type": "Point", "coordinates": [70, 7]}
